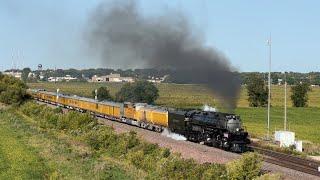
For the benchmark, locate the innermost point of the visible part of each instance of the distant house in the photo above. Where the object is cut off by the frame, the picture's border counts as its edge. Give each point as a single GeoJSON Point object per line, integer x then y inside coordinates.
{"type": "Point", "coordinates": [111, 78]}
{"type": "Point", "coordinates": [66, 78]}
{"type": "Point", "coordinates": [157, 79]}
{"type": "Point", "coordinates": [15, 74]}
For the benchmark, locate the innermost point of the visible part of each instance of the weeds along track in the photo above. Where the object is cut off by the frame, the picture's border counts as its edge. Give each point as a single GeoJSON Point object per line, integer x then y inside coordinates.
{"type": "Point", "coordinates": [292, 162]}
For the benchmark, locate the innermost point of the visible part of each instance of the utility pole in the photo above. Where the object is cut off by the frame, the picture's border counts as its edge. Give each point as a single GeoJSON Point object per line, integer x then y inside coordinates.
{"type": "Point", "coordinates": [285, 101]}
{"type": "Point", "coordinates": [269, 86]}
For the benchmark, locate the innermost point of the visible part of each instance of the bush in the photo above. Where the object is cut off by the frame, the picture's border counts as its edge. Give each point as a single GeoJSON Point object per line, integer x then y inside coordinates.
{"type": "Point", "coordinates": [246, 168]}
{"type": "Point", "coordinates": [12, 90]}
{"type": "Point", "coordinates": [140, 91]}
{"type": "Point", "coordinates": [270, 177]}
{"type": "Point", "coordinates": [101, 137]}
{"type": "Point", "coordinates": [215, 171]}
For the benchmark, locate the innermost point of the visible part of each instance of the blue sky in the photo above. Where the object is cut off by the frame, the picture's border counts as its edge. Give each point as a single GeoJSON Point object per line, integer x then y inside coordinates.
{"type": "Point", "coordinates": [50, 32]}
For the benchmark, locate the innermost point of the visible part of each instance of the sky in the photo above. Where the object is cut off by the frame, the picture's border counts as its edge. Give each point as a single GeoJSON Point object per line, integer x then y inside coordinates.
{"type": "Point", "coordinates": [51, 32]}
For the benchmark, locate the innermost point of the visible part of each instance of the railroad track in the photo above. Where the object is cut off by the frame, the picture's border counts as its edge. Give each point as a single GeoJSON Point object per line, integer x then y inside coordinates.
{"type": "Point", "coordinates": [292, 162]}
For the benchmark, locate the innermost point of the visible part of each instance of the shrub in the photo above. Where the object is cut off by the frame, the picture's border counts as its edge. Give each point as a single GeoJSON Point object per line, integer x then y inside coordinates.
{"type": "Point", "coordinates": [246, 168]}
{"type": "Point", "coordinates": [215, 171]}
{"type": "Point", "coordinates": [270, 177]}
{"type": "Point", "coordinates": [102, 137]}
{"type": "Point", "coordinates": [175, 167]}
{"type": "Point", "coordinates": [12, 90]}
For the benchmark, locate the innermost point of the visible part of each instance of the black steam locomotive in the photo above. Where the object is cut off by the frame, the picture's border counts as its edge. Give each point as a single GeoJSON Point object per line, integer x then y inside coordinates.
{"type": "Point", "coordinates": [212, 128]}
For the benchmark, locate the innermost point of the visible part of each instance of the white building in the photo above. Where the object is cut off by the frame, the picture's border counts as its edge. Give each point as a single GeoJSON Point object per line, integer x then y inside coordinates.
{"type": "Point", "coordinates": [156, 79]}
{"type": "Point", "coordinates": [67, 78]}
{"type": "Point", "coordinates": [15, 74]}
{"type": "Point", "coordinates": [111, 78]}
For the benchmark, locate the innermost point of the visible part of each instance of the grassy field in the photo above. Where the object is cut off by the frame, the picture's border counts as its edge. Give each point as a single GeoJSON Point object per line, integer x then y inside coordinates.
{"type": "Point", "coordinates": [179, 95]}
{"type": "Point", "coordinates": [29, 152]}
{"type": "Point", "coordinates": [304, 121]}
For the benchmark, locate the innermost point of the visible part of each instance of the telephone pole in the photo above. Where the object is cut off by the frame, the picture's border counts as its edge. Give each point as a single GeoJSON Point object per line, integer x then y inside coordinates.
{"type": "Point", "coordinates": [285, 101]}
{"type": "Point", "coordinates": [269, 86]}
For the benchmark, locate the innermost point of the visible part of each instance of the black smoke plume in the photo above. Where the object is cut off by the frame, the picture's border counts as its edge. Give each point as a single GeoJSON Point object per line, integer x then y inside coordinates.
{"type": "Point", "coordinates": [126, 38]}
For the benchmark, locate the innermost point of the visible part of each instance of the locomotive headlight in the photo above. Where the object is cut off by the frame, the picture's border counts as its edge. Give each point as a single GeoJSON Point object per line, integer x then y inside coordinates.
{"type": "Point", "coordinates": [237, 129]}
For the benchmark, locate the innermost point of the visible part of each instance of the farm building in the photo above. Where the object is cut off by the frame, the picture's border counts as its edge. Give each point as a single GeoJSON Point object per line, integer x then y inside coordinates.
{"type": "Point", "coordinates": [111, 78]}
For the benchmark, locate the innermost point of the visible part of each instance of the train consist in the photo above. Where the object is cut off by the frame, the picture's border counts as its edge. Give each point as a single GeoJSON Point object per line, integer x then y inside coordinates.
{"type": "Point", "coordinates": [212, 128]}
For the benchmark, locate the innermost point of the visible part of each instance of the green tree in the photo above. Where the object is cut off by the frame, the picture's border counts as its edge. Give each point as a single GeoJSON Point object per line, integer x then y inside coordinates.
{"type": "Point", "coordinates": [140, 91]}
{"type": "Point", "coordinates": [102, 94]}
{"type": "Point", "coordinates": [257, 91]}
{"type": "Point", "coordinates": [12, 90]}
{"type": "Point", "coordinates": [25, 74]}
{"type": "Point", "coordinates": [299, 95]}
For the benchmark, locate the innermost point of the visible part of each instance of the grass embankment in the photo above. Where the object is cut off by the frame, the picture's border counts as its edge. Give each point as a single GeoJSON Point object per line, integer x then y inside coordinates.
{"type": "Point", "coordinates": [28, 151]}
{"type": "Point", "coordinates": [17, 159]}
{"type": "Point", "coordinates": [304, 121]}
{"type": "Point", "coordinates": [47, 143]}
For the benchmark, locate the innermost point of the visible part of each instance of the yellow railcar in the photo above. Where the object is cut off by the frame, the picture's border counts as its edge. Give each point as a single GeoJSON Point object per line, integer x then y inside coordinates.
{"type": "Point", "coordinates": [129, 110]}
{"type": "Point", "coordinates": [151, 114]}
{"type": "Point", "coordinates": [62, 100]}
{"type": "Point", "coordinates": [111, 109]}
{"type": "Point", "coordinates": [88, 105]}
{"type": "Point", "coordinates": [160, 117]}
{"type": "Point", "coordinates": [49, 97]}
{"type": "Point", "coordinates": [140, 112]}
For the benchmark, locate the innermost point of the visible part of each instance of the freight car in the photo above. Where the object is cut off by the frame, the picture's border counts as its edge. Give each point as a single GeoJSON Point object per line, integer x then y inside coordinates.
{"type": "Point", "coordinates": [217, 129]}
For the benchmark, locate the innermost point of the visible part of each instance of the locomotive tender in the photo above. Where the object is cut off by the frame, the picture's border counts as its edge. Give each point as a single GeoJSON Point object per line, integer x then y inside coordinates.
{"type": "Point", "coordinates": [216, 129]}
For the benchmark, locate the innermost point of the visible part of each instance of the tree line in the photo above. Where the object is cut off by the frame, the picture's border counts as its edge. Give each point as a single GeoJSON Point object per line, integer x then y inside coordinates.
{"type": "Point", "coordinates": [257, 90]}
{"type": "Point", "coordinates": [293, 78]}
{"type": "Point", "coordinates": [13, 91]}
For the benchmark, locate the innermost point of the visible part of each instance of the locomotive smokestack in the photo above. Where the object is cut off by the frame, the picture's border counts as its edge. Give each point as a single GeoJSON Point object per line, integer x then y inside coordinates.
{"type": "Point", "coordinates": [126, 38]}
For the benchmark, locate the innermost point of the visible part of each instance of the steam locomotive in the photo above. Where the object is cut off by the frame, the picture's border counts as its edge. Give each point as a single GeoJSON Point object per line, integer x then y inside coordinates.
{"type": "Point", "coordinates": [216, 129]}
{"type": "Point", "coordinates": [212, 128]}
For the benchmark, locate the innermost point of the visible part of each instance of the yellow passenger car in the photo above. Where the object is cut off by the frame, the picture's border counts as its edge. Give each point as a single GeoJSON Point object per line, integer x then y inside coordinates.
{"type": "Point", "coordinates": [151, 114]}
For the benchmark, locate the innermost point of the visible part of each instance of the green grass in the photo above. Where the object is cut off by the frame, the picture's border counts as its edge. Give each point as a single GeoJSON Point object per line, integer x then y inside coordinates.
{"type": "Point", "coordinates": [304, 121]}
{"type": "Point", "coordinates": [18, 160]}
{"type": "Point", "coordinates": [30, 152]}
